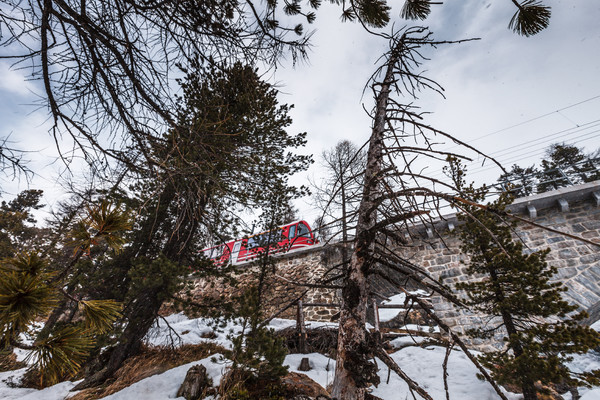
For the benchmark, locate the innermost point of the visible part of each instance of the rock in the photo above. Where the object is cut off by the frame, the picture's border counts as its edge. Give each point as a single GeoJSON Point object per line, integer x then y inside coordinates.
{"type": "Point", "coordinates": [547, 392]}
{"type": "Point", "coordinates": [301, 385]}
{"type": "Point", "coordinates": [195, 384]}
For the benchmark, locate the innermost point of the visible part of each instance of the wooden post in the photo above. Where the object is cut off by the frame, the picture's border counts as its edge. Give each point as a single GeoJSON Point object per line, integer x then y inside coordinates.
{"type": "Point", "coordinates": [301, 328]}
{"type": "Point", "coordinates": [376, 315]}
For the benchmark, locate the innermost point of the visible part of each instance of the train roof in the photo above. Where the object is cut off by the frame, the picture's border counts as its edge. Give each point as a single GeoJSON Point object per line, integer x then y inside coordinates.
{"type": "Point", "coordinates": [259, 233]}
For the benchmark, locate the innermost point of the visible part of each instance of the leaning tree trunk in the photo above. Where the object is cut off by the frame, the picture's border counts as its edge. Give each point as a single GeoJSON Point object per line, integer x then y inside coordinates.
{"type": "Point", "coordinates": [144, 308]}
{"type": "Point", "coordinates": [527, 384]}
{"type": "Point", "coordinates": [354, 373]}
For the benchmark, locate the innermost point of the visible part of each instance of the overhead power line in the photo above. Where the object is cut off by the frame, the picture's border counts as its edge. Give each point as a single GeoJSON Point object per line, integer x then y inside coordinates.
{"type": "Point", "coordinates": [535, 118]}
{"type": "Point", "coordinates": [534, 147]}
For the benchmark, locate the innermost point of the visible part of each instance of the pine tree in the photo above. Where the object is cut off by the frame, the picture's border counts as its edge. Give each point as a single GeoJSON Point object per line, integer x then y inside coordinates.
{"type": "Point", "coordinates": [17, 229]}
{"type": "Point", "coordinates": [230, 152]}
{"type": "Point", "coordinates": [565, 165]}
{"type": "Point", "coordinates": [257, 353]}
{"type": "Point", "coordinates": [519, 181]}
{"type": "Point", "coordinates": [531, 17]}
{"type": "Point", "coordinates": [29, 290]}
{"type": "Point", "coordinates": [540, 329]}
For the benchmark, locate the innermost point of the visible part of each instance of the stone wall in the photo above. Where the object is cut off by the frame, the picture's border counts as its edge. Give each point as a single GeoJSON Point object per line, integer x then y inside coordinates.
{"type": "Point", "coordinates": [292, 278]}
{"type": "Point", "coordinates": [573, 210]}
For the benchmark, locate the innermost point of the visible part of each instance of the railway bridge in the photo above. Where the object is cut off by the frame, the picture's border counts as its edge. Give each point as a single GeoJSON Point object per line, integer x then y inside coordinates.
{"type": "Point", "coordinates": [574, 210]}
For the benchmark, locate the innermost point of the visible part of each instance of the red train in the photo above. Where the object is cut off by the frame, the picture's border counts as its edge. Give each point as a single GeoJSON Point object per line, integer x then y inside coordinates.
{"type": "Point", "coordinates": [287, 238]}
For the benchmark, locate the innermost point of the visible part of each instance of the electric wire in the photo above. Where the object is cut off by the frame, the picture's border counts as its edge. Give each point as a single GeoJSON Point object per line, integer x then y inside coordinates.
{"type": "Point", "coordinates": [533, 148]}
{"type": "Point", "coordinates": [532, 119]}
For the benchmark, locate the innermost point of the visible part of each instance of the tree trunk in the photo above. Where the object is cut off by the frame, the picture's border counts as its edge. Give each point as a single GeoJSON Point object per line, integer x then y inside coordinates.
{"type": "Point", "coordinates": [53, 319]}
{"type": "Point", "coordinates": [140, 319]}
{"type": "Point", "coordinates": [143, 310]}
{"type": "Point", "coordinates": [344, 225]}
{"type": "Point", "coordinates": [195, 384]}
{"type": "Point", "coordinates": [527, 385]}
{"type": "Point", "coordinates": [354, 373]}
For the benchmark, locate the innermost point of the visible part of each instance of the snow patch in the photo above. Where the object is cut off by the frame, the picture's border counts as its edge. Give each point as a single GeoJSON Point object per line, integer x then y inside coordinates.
{"type": "Point", "coordinates": [424, 365]}
{"type": "Point", "coordinates": [322, 367]}
{"type": "Point", "coordinates": [165, 386]}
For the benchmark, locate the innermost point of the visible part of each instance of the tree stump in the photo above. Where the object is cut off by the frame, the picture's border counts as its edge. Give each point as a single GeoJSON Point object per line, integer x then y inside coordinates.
{"type": "Point", "coordinates": [196, 382]}
{"type": "Point", "coordinates": [304, 365]}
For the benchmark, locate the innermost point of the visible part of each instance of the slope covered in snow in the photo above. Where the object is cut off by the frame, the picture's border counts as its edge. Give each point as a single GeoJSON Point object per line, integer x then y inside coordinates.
{"type": "Point", "coordinates": [423, 365]}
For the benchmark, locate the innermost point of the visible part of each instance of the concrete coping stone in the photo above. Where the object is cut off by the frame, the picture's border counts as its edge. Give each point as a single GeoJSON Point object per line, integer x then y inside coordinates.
{"type": "Point", "coordinates": [560, 199]}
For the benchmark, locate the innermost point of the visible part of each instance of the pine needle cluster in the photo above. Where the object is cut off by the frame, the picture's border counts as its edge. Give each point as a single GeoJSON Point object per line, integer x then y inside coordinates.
{"type": "Point", "coordinates": [30, 290]}
{"type": "Point", "coordinates": [531, 17]}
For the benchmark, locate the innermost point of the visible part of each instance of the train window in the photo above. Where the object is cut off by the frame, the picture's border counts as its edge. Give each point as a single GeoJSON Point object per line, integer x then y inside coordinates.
{"type": "Point", "coordinates": [215, 252]}
{"type": "Point", "coordinates": [253, 242]}
{"type": "Point", "coordinates": [265, 239]}
{"type": "Point", "coordinates": [292, 232]}
{"type": "Point", "coordinates": [275, 235]}
{"type": "Point", "coordinates": [303, 230]}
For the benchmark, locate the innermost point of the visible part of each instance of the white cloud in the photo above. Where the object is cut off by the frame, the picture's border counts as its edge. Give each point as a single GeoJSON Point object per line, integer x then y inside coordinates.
{"type": "Point", "coordinates": [13, 81]}
{"type": "Point", "coordinates": [491, 84]}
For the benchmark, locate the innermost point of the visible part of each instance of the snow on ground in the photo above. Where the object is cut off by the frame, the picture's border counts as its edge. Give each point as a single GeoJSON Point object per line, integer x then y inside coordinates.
{"type": "Point", "coordinates": [279, 324]}
{"type": "Point", "coordinates": [593, 394]}
{"type": "Point", "coordinates": [7, 379]}
{"type": "Point", "coordinates": [322, 367]}
{"type": "Point", "coordinates": [401, 341]}
{"type": "Point", "coordinates": [583, 363]}
{"type": "Point", "coordinates": [178, 329]}
{"type": "Point", "coordinates": [388, 314]}
{"type": "Point", "coordinates": [166, 385]}
{"type": "Point", "coordinates": [423, 365]}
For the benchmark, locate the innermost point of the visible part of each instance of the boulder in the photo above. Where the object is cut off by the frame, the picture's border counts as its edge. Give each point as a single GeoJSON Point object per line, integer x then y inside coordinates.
{"type": "Point", "coordinates": [302, 386]}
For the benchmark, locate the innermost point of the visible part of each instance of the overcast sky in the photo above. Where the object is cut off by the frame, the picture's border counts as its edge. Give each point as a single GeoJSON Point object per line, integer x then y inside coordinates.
{"type": "Point", "coordinates": [508, 95]}
{"type": "Point", "coordinates": [490, 85]}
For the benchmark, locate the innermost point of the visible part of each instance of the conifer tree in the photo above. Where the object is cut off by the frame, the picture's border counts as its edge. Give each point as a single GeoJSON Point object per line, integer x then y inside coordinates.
{"type": "Point", "coordinates": [230, 152]}
{"type": "Point", "coordinates": [530, 18]}
{"type": "Point", "coordinates": [519, 181]}
{"type": "Point", "coordinates": [565, 165]}
{"type": "Point", "coordinates": [17, 229]}
{"type": "Point", "coordinates": [257, 352]}
{"type": "Point", "coordinates": [540, 329]}
{"type": "Point", "coordinates": [30, 288]}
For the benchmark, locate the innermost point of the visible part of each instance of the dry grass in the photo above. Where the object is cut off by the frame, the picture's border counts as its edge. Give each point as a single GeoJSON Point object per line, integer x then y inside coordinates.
{"type": "Point", "coordinates": [150, 362]}
{"type": "Point", "coordinates": [321, 340]}
{"type": "Point", "coordinates": [8, 361]}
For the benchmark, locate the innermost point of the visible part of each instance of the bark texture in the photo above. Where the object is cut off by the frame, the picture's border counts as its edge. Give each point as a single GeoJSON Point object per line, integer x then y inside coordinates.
{"type": "Point", "coordinates": [354, 371]}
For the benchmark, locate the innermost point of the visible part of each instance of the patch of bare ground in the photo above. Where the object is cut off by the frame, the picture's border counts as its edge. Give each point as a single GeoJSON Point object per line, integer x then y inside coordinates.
{"type": "Point", "coordinates": [151, 361]}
